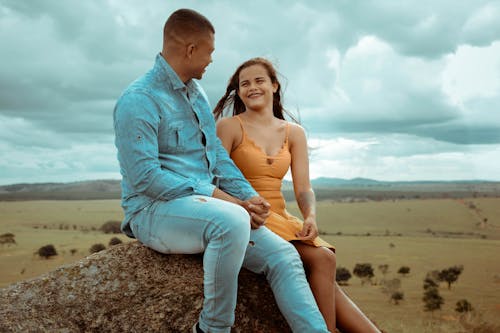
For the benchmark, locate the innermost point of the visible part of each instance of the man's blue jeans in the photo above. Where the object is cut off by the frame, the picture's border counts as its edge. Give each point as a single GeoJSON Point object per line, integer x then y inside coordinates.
{"type": "Point", "coordinates": [221, 230]}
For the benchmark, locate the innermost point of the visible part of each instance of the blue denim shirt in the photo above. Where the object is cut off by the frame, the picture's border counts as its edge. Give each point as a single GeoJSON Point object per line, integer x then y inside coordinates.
{"type": "Point", "coordinates": [167, 143]}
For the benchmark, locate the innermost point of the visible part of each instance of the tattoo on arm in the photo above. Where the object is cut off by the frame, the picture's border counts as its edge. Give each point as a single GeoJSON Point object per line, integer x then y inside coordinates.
{"type": "Point", "coordinates": [307, 203]}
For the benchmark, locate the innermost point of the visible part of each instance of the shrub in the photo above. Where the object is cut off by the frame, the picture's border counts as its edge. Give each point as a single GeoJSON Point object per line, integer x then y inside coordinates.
{"type": "Point", "coordinates": [364, 272]}
{"type": "Point", "coordinates": [463, 306]}
{"type": "Point", "coordinates": [73, 251]}
{"type": "Point", "coordinates": [7, 238]}
{"type": "Point", "coordinates": [397, 296]}
{"type": "Point", "coordinates": [97, 247]}
{"type": "Point", "coordinates": [115, 241]}
{"type": "Point", "coordinates": [47, 251]}
{"type": "Point", "coordinates": [111, 227]}
{"type": "Point", "coordinates": [342, 275]}
{"type": "Point", "coordinates": [403, 270]}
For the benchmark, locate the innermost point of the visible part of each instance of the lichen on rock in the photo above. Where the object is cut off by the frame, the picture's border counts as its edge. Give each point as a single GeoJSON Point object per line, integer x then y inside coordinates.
{"type": "Point", "coordinates": [129, 288]}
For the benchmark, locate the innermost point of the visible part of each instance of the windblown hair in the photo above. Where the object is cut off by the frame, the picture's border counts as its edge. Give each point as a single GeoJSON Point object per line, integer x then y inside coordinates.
{"type": "Point", "coordinates": [231, 97]}
{"type": "Point", "coordinates": [184, 23]}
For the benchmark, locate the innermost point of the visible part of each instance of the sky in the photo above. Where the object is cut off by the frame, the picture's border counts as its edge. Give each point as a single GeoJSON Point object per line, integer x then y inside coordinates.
{"type": "Point", "coordinates": [388, 90]}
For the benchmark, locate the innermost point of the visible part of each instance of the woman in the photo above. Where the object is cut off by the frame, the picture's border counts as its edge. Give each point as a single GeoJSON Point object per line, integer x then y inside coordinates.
{"type": "Point", "coordinates": [264, 145]}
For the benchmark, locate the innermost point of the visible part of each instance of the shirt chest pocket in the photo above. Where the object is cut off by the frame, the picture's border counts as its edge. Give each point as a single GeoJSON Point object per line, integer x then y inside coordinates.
{"type": "Point", "coordinates": [172, 138]}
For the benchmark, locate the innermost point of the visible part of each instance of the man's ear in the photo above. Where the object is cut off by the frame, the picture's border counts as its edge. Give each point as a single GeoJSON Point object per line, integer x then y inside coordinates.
{"type": "Point", "coordinates": [190, 48]}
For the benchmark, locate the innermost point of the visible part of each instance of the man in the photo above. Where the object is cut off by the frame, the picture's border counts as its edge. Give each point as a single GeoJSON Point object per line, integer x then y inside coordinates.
{"type": "Point", "coordinates": [170, 158]}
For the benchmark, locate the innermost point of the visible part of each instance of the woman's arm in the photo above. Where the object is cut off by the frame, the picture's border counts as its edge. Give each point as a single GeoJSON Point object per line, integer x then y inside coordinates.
{"type": "Point", "coordinates": [301, 182]}
{"type": "Point", "coordinates": [228, 131]}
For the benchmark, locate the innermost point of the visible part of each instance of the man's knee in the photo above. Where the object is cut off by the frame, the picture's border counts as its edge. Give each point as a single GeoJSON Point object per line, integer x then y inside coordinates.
{"type": "Point", "coordinates": [235, 222]}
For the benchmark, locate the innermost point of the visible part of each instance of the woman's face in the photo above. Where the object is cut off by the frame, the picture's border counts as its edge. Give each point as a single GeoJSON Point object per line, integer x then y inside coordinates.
{"type": "Point", "coordinates": [255, 88]}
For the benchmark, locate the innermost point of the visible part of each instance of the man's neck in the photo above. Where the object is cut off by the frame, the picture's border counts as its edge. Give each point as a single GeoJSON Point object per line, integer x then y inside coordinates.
{"type": "Point", "coordinates": [177, 66]}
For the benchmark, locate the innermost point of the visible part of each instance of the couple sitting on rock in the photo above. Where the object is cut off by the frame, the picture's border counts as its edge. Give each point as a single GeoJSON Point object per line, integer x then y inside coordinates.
{"type": "Point", "coordinates": [190, 186]}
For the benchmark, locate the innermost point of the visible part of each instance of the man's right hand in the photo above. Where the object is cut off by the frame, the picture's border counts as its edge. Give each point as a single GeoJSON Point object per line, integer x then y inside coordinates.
{"type": "Point", "coordinates": [258, 208]}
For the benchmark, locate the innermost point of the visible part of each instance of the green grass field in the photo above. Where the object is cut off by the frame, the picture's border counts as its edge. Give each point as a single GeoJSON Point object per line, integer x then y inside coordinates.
{"type": "Point", "coordinates": [423, 234]}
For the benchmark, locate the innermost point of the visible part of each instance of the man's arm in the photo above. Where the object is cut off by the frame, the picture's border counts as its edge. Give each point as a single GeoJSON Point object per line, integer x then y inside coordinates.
{"type": "Point", "coordinates": [136, 122]}
{"type": "Point", "coordinates": [230, 178]}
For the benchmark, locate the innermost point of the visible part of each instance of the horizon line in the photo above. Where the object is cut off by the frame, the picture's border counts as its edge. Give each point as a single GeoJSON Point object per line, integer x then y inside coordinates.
{"type": "Point", "coordinates": [285, 180]}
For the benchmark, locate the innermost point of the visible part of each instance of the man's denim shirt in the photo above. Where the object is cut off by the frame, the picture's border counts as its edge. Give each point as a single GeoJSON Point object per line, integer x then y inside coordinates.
{"type": "Point", "coordinates": [167, 143]}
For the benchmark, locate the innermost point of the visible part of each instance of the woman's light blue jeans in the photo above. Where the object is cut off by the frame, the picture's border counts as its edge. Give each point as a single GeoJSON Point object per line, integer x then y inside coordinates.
{"type": "Point", "coordinates": [221, 230]}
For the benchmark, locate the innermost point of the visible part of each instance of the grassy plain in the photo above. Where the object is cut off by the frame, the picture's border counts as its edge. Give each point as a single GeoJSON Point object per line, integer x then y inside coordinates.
{"type": "Point", "coordinates": [423, 234]}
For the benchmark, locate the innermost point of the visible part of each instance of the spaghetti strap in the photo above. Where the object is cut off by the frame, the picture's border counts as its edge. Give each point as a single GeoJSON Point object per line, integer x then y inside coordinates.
{"type": "Point", "coordinates": [239, 119]}
{"type": "Point", "coordinates": [241, 124]}
{"type": "Point", "coordinates": [287, 131]}
{"type": "Point", "coordinates": [242, 128]}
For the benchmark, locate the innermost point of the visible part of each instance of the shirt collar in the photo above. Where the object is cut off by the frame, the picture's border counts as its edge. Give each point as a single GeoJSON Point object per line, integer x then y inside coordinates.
{"type": "Point", "coordinates": [171, 76]}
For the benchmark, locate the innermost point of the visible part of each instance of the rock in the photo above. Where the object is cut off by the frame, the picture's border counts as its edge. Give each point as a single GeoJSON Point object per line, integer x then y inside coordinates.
{"type": "Point", "coordinates": [130, 288]}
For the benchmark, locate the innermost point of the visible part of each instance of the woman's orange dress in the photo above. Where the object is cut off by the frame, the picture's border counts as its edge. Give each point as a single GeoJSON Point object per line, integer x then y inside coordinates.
{"type": "Point", "coordinates": [266, 173]}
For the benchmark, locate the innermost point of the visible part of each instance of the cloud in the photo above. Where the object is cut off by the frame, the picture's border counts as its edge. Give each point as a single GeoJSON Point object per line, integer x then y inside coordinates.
{"type": "Point", "coordinates": [427, 70]}
{"type": "Point", "coordinates": [61, 163]}
{"type": "Point", "coordinates": [400, 157]}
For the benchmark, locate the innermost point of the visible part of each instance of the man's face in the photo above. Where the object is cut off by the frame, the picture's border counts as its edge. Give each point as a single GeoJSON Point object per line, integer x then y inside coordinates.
{"type": "Point", "coordinates": [202, 55]}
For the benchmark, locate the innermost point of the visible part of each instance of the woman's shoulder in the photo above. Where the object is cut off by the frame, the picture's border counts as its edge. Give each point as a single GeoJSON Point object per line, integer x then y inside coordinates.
{"type": "Point", "coordinates": [295, 130]}
{"type": "Point", "coordinates": [228, 128]}
{"type": "Point", "coordinates": [227, 122]}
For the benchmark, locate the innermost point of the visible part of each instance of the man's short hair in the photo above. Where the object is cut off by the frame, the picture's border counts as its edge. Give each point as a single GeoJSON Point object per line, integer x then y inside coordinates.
{"type": "Point", "coordinates": [185, 23]}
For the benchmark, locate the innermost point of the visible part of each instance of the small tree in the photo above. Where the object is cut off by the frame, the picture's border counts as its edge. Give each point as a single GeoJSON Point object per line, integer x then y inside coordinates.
{"type": "Point", "coordinates": [342, 276]}
{"type": "Point", "coordinates": [432, 300]}
{"type": "Point", "coordinates": [404, 270]}
{"type": "Point", "coordinates": [450, 275]}
{"type": "Point", "coordinates": [430, 283]}
{"type": "Point", "coordinates": [47, 251]}
{"type": "Point", "coordinates": [96, 248]}
{"type": "Point", "coordinates": [397, 296]}
{"type": "Point", "coordinates": [463, 306]}
{"type": "Point", "coordinates": [115, 241]}
{"type": "Point", "coordinates": [364, 272]}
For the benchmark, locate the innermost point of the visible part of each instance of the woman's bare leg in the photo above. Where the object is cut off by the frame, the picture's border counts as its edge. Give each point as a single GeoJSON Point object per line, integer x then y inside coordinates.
{"type": "Point", "coordinates": [338, 310]}
{"type": "Point", "coordinates": [349, 317]}
{"type": "Point", "coordinates": [320, 267]}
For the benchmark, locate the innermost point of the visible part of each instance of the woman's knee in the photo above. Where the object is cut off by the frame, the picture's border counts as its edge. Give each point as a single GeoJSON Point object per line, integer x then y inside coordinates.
{"type": "Point", "coordinates": [323, 260]}
{"type": "Point", "coordinates": [329, 258]}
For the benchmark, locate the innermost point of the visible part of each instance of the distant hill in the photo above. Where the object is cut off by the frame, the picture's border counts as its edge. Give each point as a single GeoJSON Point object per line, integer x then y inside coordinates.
{"type": "Point", "coordinates": [84, 190]}
{"type": "Point", "coordinates": [325, 188]}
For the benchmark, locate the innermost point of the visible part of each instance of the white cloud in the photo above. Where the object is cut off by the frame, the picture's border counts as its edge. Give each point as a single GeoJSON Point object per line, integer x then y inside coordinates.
{"type": "Point", "coordinates": [393, 158]}
{"type": "Point", "coordinates": [70, 163]}
{"type": "Point", "coordinates": [386, 85]}
{"type": "Point", "coordinates": [472, 72]}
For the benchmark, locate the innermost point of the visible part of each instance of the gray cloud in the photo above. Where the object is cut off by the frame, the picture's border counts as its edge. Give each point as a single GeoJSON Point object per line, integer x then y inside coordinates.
{"type": "Point", "coordinates": [364, 67]}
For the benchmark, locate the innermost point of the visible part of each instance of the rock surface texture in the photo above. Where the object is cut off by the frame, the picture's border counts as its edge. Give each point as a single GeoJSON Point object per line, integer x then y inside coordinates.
{"type": "Point", "coordinates": [129, 288]}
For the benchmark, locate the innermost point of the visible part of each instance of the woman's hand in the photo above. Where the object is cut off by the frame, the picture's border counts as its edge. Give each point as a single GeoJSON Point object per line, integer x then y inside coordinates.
{"type": "Point", "coordinates": [309, 230]}
{"type": "Point", "coordinates": [258, 208]}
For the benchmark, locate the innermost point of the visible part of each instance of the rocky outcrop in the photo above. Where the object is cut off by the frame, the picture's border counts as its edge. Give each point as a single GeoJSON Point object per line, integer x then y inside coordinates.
{"type": "Point", "coordinates": [129, 288]}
